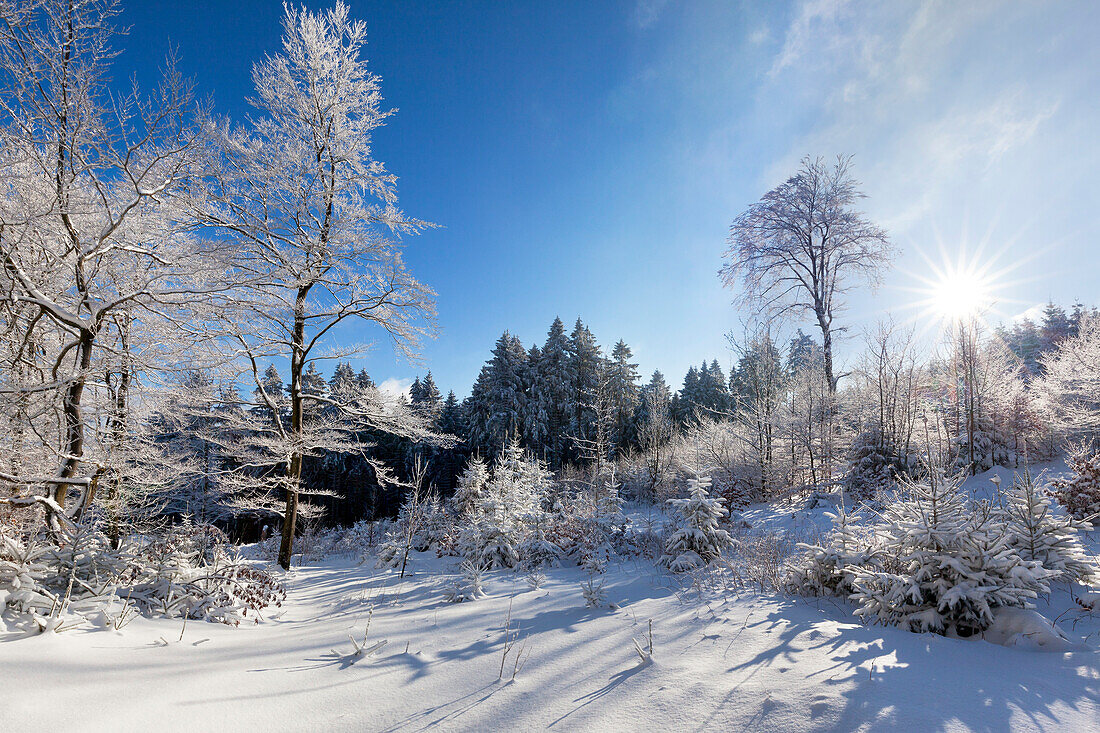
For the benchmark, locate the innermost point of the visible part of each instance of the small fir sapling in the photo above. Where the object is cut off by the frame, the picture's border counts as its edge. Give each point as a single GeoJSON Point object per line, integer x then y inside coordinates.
{"type": "Point", "coordinates": [829, 568]}
{"type": "Point", "coordinates": [471, 484]}
{"type": "Point", "coordinates": [1038, 533]}
{"type": "Point", "coordinates": [489, 544]}
{"type": "Point", "coordinates": [509, 504]}
{"type": "Point", "coordinates": [536, 579]}
{"type": "Point", "coordinates": [697, 540]}
{"type": "Point", "coordinates": [594, 592]}
{"type": "Point", "coordinates": [468, 587]}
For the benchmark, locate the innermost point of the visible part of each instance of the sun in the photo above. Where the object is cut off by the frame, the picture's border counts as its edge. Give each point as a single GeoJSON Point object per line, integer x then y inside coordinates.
{"type": "Point", "coordinates": [964, 286]}
{"type": "Point", "coordinates": [960, 295]}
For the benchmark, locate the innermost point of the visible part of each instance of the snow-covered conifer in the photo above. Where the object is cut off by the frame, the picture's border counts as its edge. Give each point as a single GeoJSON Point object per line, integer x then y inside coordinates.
{"type": "Point", "coordinates": [1039, 533]}
{"type": "Point", "coordinates": [506, 507]}
{"type": "Point", "coordinates": [951, 564]}
{"type": "Point", "coordinates": [594, 592]}
{"type": "Point", "coordinates": [468, 587]}
{"type": "Point", "coordinates": [697, 539]}
{"type": "Point", "coordinates": [828, 569]}
{"type": "Point", "coordinates": [471, 484]}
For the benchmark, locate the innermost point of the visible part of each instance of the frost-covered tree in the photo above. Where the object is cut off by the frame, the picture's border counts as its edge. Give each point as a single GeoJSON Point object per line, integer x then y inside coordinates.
{"type": "Point", "coordinates": [758, 393]}
{"type": "Point", "coordinates": [498, 401]}
{"type": "Point", "coordinates": [193, 429]}
{"type": "Point", "coordinates": [424, 395]}
{"type": "Point", "coordinates": [314, 215]}
{"type": "Point", "coordinates": [802, 246]}
{"type": "Point", "coordinates": [1070, 386]}
{"type": "Point", "coordinates": [451, 420]}
{"type": "Point", "coordinates": [585, 373]}
{"type": "Point", "coordinates": [95, 265]}
{"type": "Point", "coordinates": [471, 486]}
{"type": "Point", "coordinates": [553, 393]}
{"type": "Point", "coordinates": [697, 539]}
{"type": "Point", "coordinates": [622, 386]}
{"type": "Point", "coordinates": [506, 509]}
{"type": "Point", "coordinates": [890, 383]}
{"type": "Point", "coordinates": [654, 429]}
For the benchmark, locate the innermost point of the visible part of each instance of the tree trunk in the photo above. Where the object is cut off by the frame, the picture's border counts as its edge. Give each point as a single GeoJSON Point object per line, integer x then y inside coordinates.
{"type": "Point", "coordinates": [294, 472]}
{"type": "Point", "coordinates": [74, 418]}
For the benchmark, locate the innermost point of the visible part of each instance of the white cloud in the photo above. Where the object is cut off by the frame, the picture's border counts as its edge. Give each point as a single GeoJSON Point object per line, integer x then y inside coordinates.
{"type": "Point", "coordinates": [396, 386]}
{"type": "Point", "coordinates": [816, 23]}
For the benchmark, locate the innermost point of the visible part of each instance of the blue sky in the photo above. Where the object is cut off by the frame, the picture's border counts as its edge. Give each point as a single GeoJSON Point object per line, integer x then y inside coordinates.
{"type": "Point", "coordinates": [587, 158]}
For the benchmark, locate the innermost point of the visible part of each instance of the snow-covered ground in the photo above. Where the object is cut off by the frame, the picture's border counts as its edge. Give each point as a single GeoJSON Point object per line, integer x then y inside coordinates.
{"type": "Point", "coordinates": [720, 662]}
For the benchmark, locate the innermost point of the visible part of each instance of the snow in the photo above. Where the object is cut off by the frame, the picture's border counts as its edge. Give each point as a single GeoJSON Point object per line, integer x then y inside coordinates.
{"type": "Point", "coordinates": [1026, 628]}
{"type": "Point", "coordinates": [357, 648]}
{"type": "Point", "coordinates": [720, 662]}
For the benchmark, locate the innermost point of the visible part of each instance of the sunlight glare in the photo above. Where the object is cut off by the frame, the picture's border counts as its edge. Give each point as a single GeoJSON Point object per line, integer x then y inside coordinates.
{"type": "Point", "coordinates": [961, 295]}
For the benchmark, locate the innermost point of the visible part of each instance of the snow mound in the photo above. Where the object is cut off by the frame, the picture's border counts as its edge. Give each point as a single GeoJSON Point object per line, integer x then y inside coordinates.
{"type": "Point", "coordinates": [1024, 628]}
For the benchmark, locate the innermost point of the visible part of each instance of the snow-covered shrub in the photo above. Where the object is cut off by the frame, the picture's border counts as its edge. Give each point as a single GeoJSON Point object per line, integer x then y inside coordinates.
{"type": "Point", "coordinates": [391, 551]}
{"type": "Point", "coordinates": [594, 592]}
{"type": "Point", "coordinates": [990, 448]}
{"type": "Point", "coordinates": [827, 569]}
{"type": "Point", "coordinates": [422, 524]}
{"type": "Point", "coordinates": [359, 538]}
{"type": "Point", "coordinates": [949, 566]}
{"type": "Point", "coordinates": [24, 579]}
{"type": "Point", "coordinates": [1039, 533]}
{"type": "Point", "coordinates": [1080, 493]}
{"type": "Point", "coordinates": [589, 526]}
{"type": "Point", "coordinates": [175, 574]}
{"type": "Point", "coordinates": [537, 551]}
{"type": "Point", "coordinates": [646, 538]}
{"type": "Point", "coordinates": [168, 576]}
{"type": "Point", "coordinates": [468, 587]}
{"type": "Point", "coordinates": [435, 529]}
{"type": "Point", "coordinates": [697, 539]}
{"type": "Point", "coordinates": [313, 542]}
{"type": "Point", "coordinates": [764, 559]}
{"type": "Point", "coordinates": [536, 579]}
{"type": "Point", "coordinates": [717, 448]}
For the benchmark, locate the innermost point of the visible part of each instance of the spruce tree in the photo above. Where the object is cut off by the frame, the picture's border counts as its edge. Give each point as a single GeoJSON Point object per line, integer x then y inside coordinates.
{"type": "Point", "coordinates": [471, 485]}
{"type": "Point", "coordinates": [553, 394]}
{"type": "Point", "coordinates": [450, 420]}
{"type": "Point", "coordinates": [1055, 327]}
{"type": "Point", "coordinates": [585, 367]}
{"type": "Point", "coordinates": [1039, 533]}
{"type": "Point", "coordinates": [363, 380]}
{"type": "Point", "coordinates": [342, 385]}
{"type": "Point", "coordinates": [498, 400]}
{"type": "Point", "coordinates": [272, 384]}
{"type": "Point", "coordinates": [622, 384]}
{"type": "Point", "coordinates": [429, 392]}
{"type": "Point", "coordinates": [697, 540]}
{"type": "Point", "coordinates": [952, 564]}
